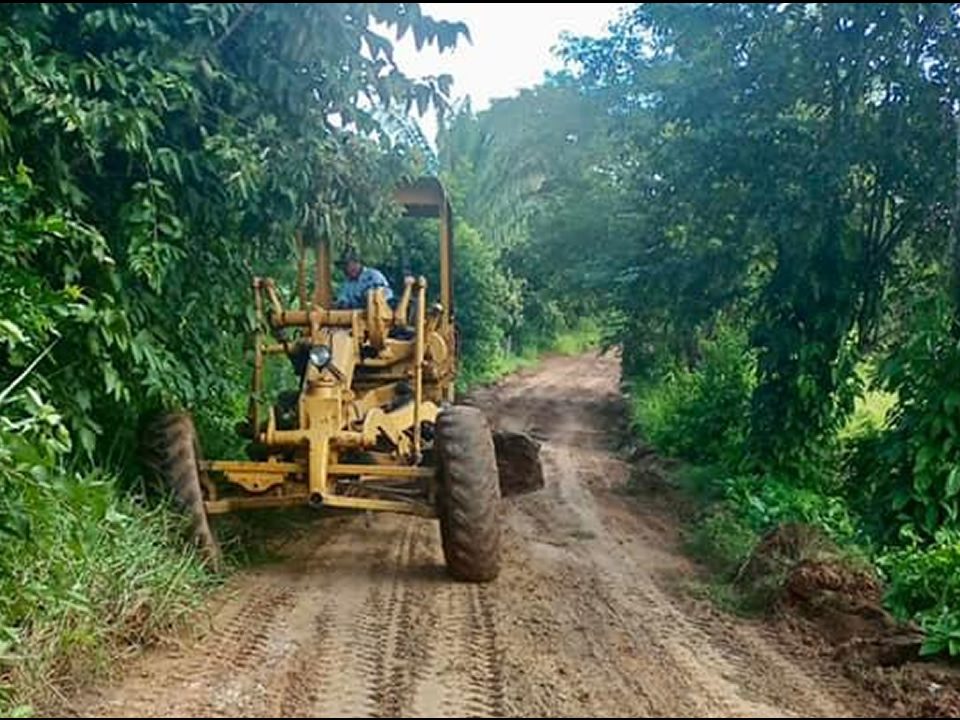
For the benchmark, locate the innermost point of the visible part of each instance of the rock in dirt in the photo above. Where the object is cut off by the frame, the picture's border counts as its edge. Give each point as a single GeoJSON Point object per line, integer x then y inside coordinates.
{"type": "Point", "coordinates": [518, 460]}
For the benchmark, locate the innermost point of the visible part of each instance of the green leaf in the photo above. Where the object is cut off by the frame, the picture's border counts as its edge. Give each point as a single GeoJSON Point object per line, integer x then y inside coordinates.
{"type": "Point", "coordinates": [951, 401]}
{"type": "Point", "coordinates": [901, 496]}
{"type": "Point", "coordinates": [11, 333]}
{"type": "Point", "coordinates": [932, 645]}
{"type": "Point", "coordinates": [930, 518]}
{"type": "Point", "coordinates": [950, 509]}
{"type": "Point", "coordinates": [87, 439]}
{"type": "Point", "coordinates": [924, 456]}
{"type": "Point", "coordinates": [953, 482]}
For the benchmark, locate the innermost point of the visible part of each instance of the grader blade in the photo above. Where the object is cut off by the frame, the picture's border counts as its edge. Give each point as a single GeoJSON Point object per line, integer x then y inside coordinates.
{"type": "Point", "coordinates": [518, 461]}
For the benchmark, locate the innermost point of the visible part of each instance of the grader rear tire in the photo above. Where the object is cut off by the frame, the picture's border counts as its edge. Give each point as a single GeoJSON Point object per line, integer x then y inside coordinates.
{"type": "Point", "coordinates": [469, 494]}
{"type": "Point", "coordinates": [172, 452]}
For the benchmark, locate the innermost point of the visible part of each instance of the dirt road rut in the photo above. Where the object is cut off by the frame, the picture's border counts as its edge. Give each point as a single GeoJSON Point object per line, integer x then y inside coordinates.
{"type": "Point", "coordinates": [587, 617]}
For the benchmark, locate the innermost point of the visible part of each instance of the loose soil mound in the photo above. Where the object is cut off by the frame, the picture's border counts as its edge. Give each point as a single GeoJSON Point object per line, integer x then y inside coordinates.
{"type": "Point", "coordinates": [797, 570]}
{"type": "Point", "coordinates": [518, 461]}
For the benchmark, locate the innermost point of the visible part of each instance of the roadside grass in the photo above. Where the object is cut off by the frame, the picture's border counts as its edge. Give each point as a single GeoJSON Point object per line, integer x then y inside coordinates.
{"type": "Point", "coordinates": [88, 576]}
{"type": "Point", "coordinates": [587, 334]}
{"type": "Point", "coordinates": [698, 416]}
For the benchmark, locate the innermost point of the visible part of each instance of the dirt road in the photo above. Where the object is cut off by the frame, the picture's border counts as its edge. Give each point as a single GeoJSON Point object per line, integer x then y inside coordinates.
{"type": "Point", "coordinates": [587, 618]}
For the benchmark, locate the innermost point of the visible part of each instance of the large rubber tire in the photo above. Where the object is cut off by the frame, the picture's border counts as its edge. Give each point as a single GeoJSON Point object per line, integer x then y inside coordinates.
{"type": "Point", "coordinates": [469, 494]}
{"type": "Point", "coordinates": [172, 452]}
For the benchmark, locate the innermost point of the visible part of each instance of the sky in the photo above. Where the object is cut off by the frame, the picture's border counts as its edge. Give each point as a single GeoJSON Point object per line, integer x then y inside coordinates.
{"type": "Point", "coordinates": [511, 46]}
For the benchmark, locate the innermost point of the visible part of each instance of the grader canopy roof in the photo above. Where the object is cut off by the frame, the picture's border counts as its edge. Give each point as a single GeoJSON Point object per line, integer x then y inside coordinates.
{"type": "Point", "coordinates": [426, 198]}
{"type": "Point", "coordinates": [423, 198]}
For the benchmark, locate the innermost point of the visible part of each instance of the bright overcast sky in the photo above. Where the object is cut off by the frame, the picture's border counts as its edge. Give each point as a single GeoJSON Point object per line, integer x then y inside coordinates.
{"type": "Point", "coordinates": [511, 46]}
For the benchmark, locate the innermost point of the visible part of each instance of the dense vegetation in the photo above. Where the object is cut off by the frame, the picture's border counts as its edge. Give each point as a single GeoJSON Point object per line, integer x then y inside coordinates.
{"type": "Point", "coordinates": [756, 202]}
{"type": "Point", "coordinates": [759, 201]}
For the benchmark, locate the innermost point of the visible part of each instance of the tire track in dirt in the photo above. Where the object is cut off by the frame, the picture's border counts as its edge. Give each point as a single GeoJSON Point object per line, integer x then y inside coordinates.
{"type": "Point", "coordinates": [209, 679]}
{"type": "Point", "coordinates": [383, 629]}
{"type": "Point", "coordinates": [464, 673]}
{"type": "Point", "coordinates": [256, 640]}
{"type": "Point", "coordinates": [486, 677]}
{"type": "Point", "coordinates": [299, 692]}
{"type": "Point", "coordinates": [402, 639]}
{"type": "Point", "coordinates": [349, 667]}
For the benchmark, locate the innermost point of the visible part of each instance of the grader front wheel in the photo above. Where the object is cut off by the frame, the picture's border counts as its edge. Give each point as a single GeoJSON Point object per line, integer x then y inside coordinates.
{"type": "Point", "coordinates": [173, 453]}
{"type": "Point", "coordinates": [469, 494]}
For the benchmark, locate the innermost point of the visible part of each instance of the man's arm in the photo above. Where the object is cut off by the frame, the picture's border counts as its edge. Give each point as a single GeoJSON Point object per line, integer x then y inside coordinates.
{"type": "Point", "coordinates": [377, 279]}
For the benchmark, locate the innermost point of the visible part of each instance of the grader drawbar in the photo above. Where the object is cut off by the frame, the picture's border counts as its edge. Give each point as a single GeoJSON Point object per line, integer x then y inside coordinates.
{"type": "Point", "coordinates": [373, 424]}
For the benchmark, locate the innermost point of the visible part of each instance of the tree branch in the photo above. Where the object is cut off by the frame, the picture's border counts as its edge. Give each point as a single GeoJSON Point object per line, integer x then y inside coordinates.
{"type": "Point", "coordinates": [5, 393]}
{"type": "Point", "coordinates": [246, 12]}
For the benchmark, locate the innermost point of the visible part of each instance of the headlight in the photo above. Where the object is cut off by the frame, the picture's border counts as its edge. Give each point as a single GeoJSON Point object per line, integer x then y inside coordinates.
{"type": "Point", "coordinates": [320, 356]}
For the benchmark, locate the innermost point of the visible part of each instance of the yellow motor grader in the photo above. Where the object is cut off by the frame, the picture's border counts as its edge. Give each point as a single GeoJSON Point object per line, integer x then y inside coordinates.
{"type": "Point", "coordinates": [373, 424]}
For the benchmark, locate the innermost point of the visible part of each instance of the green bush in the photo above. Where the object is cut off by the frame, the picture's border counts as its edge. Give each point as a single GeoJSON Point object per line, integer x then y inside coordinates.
{"type": "Point", "coordinates": [739, 508]}
{"type": "Point", "coordinates": [764, 502]}
{"type": "Point", "coordinates": [906, 475]}
{"type": "Point", "coordinates": [700, 414]}
{"type": "Point", "coordinates": [870, 413]}
{"type": "Point", "coordinates": [722, 540]}
{"type": "Point", "coordinates": [584, 335]}
{"type": "Point", "coordinates": [84, 570]}
{"type": "Point", "coordinates": [923, 584]}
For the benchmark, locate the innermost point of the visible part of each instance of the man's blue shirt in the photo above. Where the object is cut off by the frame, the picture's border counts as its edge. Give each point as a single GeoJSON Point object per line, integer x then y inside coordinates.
{"type": "Point", "coordinates": [353, 293]}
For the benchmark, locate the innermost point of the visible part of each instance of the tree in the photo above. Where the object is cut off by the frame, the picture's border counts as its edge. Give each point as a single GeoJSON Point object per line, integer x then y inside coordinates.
{"type": "Point", "coordinates": [777, 182]}
{"type": "Point", "coordinates": [525, 174]}
{"type": "Point", "coordinates": [154, 156]}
